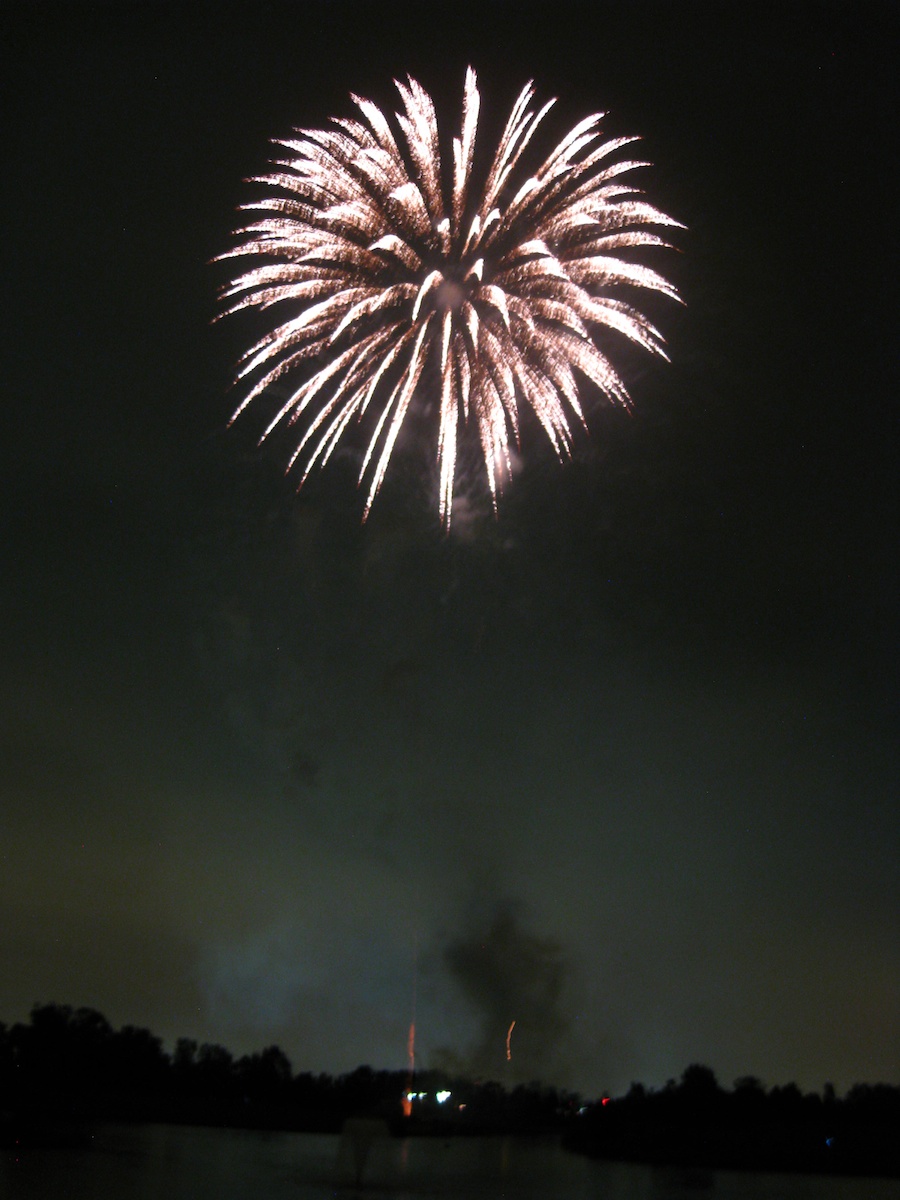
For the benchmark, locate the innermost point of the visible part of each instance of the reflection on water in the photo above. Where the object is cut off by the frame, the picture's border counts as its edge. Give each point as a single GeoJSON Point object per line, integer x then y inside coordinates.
{"type": "Point", "coordinates": [160, 1162]}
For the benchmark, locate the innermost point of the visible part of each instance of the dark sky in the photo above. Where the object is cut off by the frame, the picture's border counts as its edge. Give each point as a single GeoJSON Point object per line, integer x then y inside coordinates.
{"type": "Point", "coordinates": [619, 765]}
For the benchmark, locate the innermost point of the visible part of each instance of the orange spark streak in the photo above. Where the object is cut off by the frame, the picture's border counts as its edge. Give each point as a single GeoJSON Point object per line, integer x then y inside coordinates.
{"type": "Point", "coordinates": [508, 1036]}
{"type": "Point", "coordinates": [406, 1102]}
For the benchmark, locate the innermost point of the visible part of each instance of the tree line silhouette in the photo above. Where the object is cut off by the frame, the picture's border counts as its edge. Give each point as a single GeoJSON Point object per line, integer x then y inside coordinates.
{"type": "Point", "coordinates": [68, 1067]}
{"type": "Point", "coordinates": [695, 1123]}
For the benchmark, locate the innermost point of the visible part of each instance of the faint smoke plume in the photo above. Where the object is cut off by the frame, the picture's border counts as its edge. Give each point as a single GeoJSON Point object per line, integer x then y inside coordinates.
{"type": "Point", "coordinates": [509, 974]}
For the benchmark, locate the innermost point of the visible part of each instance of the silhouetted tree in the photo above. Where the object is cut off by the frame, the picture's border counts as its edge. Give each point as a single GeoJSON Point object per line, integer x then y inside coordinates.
{"type": "Point", "coordinates": [215, 1071]}
{"type": "Point", "coordinates": [140, 1064]}
{"type": "Point", "coordinates": [699, 1085]}
{"type": "Point", "coordinates": [264, 1078]}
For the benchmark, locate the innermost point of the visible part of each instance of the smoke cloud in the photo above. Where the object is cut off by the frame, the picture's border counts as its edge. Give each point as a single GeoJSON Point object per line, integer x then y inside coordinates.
{"type": "Point", "coordinates": [509, 974]}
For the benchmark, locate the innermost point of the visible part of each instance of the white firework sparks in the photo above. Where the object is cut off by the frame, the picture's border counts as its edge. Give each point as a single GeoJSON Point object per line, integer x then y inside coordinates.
{"type": "Point", "coordinates": [400, 287]}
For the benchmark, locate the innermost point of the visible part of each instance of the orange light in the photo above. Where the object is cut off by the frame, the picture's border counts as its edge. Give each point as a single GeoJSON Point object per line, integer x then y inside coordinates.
{"type": "Point", "coordinates": [508, 1036]}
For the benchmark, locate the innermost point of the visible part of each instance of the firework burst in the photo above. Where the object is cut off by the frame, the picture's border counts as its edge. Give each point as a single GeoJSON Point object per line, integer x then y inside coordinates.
{"type": "Point", "coordinates": [402, 286]}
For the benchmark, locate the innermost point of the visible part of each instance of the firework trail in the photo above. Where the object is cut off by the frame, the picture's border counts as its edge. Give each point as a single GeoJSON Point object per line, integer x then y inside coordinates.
{"type": "Point", "coordinates": [402, 285]}
{"type": "Point", "coordinates": [508, 1037]}
{"type": "Point", "coordinates": [406, 1101]}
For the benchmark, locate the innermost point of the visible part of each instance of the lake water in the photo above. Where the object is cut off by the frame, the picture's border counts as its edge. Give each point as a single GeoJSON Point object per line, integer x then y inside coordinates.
{"type": "Point", "coordinates": [161, 1162]}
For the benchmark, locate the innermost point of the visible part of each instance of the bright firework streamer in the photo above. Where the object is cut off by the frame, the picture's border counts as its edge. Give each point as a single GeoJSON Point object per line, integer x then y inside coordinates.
{"type": "Point", "coordinates": [406, 1102]}
{"type": "Point", "coordinates": [380, 275]}
{"type": "Point", "coordinates": [508, 1037]}
{"type": "Point", "coordinates": [411, 1039]}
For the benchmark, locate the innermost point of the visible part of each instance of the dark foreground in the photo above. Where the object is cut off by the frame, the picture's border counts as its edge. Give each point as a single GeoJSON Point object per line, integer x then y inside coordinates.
{"type": "Point", "coordinates": [132, 1162]}
{"type": "Point", "coordinates": [68, 1070]}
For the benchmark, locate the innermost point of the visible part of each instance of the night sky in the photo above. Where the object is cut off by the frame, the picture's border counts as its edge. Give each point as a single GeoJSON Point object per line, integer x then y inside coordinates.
{"type": "Point", "coordinates": [619, 765]}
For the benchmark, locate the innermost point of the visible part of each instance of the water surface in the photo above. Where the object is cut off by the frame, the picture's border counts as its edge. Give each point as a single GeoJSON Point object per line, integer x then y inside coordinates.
{"type": "Point", "coordinates": [161, 1162]}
